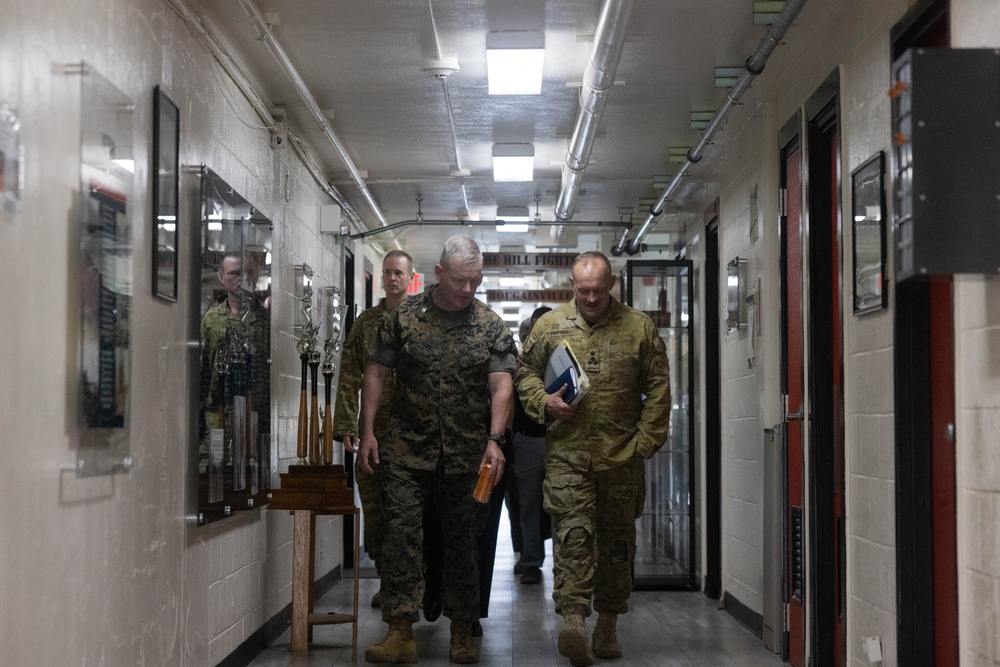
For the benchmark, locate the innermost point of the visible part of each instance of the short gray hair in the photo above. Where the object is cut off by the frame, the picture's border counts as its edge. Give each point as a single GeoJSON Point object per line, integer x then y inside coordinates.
{"type": "Point", "coordinates": [460, 250]}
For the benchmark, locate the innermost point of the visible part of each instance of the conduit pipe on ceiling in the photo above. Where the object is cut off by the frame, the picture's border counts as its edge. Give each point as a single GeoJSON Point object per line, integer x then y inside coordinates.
{"type": "Point", "coordinates": [206, 35]}
{"type": "Point", "coordinates": [264, 30]}
{"type": "Point", "coordinates": [420, 222]}
{"type": "Point", "coordinates": [324, 185]}
{"type": "Point", "coordinates": [599, 76]}
{"type": "Point", "coordinates": [753, 66]}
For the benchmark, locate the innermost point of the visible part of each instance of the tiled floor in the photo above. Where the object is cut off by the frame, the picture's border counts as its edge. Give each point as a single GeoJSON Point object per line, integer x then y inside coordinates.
{"type": "Point", "coordinates": [661, 629]}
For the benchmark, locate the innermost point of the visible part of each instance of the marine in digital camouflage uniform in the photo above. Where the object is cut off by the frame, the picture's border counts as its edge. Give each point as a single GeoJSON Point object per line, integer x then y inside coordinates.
{"type": "Point", "coordinates": [453, 358]}
{"type": "Point", "coordinates": [357, 351]}
{"type": "Point", "coordinates": [397, 272]}
{"type": "Point", "coordinates": [595, 462]}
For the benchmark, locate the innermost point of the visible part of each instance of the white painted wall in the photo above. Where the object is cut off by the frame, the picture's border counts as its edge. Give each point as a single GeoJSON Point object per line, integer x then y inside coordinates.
{"type": "Point", "coordinates": [854, 37]}
{"type": "Point", "coordinates": [976, 24]}
{"type": "Point", "coordinates": [107, 570]}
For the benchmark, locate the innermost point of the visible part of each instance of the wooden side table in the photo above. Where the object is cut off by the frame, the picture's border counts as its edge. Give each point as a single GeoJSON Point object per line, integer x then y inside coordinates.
{"type": "Point", "coordinates": [303, 574]}
{"type": "Point", "coordinates": [309, 491]}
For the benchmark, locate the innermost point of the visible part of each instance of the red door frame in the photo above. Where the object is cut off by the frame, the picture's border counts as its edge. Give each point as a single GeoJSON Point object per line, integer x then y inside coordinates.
{"type": "Point", "coordinates": [792, 386]}
{"type": "Point", "coordinates": [943, 486]}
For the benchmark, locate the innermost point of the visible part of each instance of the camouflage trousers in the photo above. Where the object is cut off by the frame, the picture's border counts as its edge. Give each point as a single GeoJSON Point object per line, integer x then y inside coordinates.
{"type": "Point", "coordinates": [370, 491]}
{"type": "Point", "coordinates": [404, 492]}
{"type": "Point", "coordinates": [593, 515]}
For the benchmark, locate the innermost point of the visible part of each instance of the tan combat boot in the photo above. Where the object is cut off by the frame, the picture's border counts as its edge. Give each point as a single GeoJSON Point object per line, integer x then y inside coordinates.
{"type": "Point", "coordinates": [463, 649]}
{"type": "Point", "coordinates": [397, 647]}
{"type": "Point", "coordinates": [573, 639]}
{"type": "Point", "coordinates": [606, 637]}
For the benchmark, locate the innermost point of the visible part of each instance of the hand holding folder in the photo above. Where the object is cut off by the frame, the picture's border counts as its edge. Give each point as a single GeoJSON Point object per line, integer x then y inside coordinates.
{"type": "Point", "coordinates": [564, 369]}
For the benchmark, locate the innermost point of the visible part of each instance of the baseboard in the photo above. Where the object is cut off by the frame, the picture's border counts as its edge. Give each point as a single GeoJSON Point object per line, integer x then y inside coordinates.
{"type": "Point", "coordinates": [747, 617]}
{"type": "Point", "coordinates": [276, 625]}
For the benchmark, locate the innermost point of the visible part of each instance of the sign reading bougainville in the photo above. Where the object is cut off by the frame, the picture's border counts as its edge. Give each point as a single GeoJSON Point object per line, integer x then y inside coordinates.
{"type": "Point", "coordinates": [530, 295]}
{"type": "Point", "coordinates": [528, 260]}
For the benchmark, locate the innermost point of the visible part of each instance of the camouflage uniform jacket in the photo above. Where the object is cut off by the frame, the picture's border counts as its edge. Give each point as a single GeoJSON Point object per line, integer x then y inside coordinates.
{"type": "Point", "coordinates": [440, 408]}
{"type": "Point", "coordinates": [217, 327]}
{"type": "Point", "coordinates": [625, 360]}
{"type": "Point", "coordinates": [358, 350]}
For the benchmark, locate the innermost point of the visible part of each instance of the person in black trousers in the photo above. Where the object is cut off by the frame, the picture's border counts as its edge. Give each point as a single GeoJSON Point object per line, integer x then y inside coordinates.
{"type": "Point", "coordinates": [488, 519]}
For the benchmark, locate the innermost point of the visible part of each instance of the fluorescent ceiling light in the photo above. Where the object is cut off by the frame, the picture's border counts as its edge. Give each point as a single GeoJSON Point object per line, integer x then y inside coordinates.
{"type": "Point", "coordinates": [512, 228]}
{"type": "Point", "coordinates": [513, 218]}
{"type": "Point", "coordinates": [514, 60]}
{"type": "Point", "coordinates": [513, 162]}
{"type": "Point", "coordinates": [510, 304]}
{"type": "Point", "coordinates": [511, 282]}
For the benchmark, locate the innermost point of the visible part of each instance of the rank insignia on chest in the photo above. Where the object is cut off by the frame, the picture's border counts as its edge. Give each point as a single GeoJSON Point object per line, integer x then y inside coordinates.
{"type": "Point", "coordinates": [593, 364]}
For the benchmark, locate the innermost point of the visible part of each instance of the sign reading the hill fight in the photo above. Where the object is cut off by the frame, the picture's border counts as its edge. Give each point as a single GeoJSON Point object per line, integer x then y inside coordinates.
{"type": "Point", "coordinates": [528, 260]}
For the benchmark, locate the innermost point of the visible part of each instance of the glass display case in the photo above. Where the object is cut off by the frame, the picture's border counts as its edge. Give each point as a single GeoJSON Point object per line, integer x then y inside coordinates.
{"type": "Point", "coordinates": [233, 461]}
{"type": "Point", "coordinates": [665, 532]}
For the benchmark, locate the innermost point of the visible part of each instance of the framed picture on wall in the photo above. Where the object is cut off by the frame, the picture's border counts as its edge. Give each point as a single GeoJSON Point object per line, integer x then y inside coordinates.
{"type": "Point", "coordinates": [868, 215]}
{"type": "Point", "coordinates": [165, 194]}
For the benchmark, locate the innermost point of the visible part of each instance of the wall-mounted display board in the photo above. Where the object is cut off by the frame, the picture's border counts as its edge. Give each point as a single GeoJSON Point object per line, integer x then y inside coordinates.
{"type": "Point", "coordinates": [104, 354]}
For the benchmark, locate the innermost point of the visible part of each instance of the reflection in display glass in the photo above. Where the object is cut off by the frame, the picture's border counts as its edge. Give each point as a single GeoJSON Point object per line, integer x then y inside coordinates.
{"type": "Point", "coordinates": [234, 409]}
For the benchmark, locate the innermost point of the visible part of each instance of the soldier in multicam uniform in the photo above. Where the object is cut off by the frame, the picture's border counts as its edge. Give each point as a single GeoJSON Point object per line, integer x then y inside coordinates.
{"type": "Point", "coordinates": [397, 272]}
{"type": "Point", "coordinates": [454, 360]}
{"type": "Point", "coordinates": [595, 463]}
{"type": "Point", "coordinates": [220, 324]}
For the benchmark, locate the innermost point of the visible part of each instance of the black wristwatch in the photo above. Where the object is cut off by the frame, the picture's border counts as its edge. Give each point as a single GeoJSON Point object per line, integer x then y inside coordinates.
{"type": "Point", "coordinates": [498, 438]}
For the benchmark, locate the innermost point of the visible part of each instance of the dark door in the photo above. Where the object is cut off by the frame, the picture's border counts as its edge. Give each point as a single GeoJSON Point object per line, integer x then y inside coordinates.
{"type": "Point", "coordinates": [825, 378]}
{"type": "Point", "coordinates": [713, 415]}
{"type": "Point", "coordinates": [923, 345]}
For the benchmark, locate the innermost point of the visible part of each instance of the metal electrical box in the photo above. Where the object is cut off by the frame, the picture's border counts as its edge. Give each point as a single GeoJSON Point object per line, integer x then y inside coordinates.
{"type": "Point", "coordinates": [946, 167]}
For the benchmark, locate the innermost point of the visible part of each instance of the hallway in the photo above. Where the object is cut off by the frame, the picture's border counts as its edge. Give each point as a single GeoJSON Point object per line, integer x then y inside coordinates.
{"type": "Point", "coordinates": [674, 629]}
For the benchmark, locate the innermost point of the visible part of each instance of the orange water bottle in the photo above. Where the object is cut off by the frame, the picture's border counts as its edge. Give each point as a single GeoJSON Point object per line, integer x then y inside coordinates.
{"type": "Point", "coordinates": [483, 486]}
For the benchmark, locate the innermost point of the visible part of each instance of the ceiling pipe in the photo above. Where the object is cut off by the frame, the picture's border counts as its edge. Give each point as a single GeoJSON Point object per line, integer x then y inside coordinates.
{"type": "Point", "coordinates": [325, 185]}
{"type": "Point", "coordinates": [206, 35]}
{"type": "Point", "coordinates": [264, 30]}
{"type": "Point", "coordinates": [599, 76]}
{"type": "Point", "coordinates": [420, 222]}
{"type": "Point", "coordinates": [753, 66]}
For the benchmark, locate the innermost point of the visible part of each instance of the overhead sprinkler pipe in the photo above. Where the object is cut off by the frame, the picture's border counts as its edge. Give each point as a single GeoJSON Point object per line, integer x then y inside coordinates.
{"type": "Point", "coordinates": [421, 222]}
{"type": "Point", "coordinates": [264, 30]}
{"type": "Point", "coordinates": [207, 36]}
{"type": "Point", "coordinates": [753, 66]}
{"type": "Point", "coordinates": [598, 78]}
